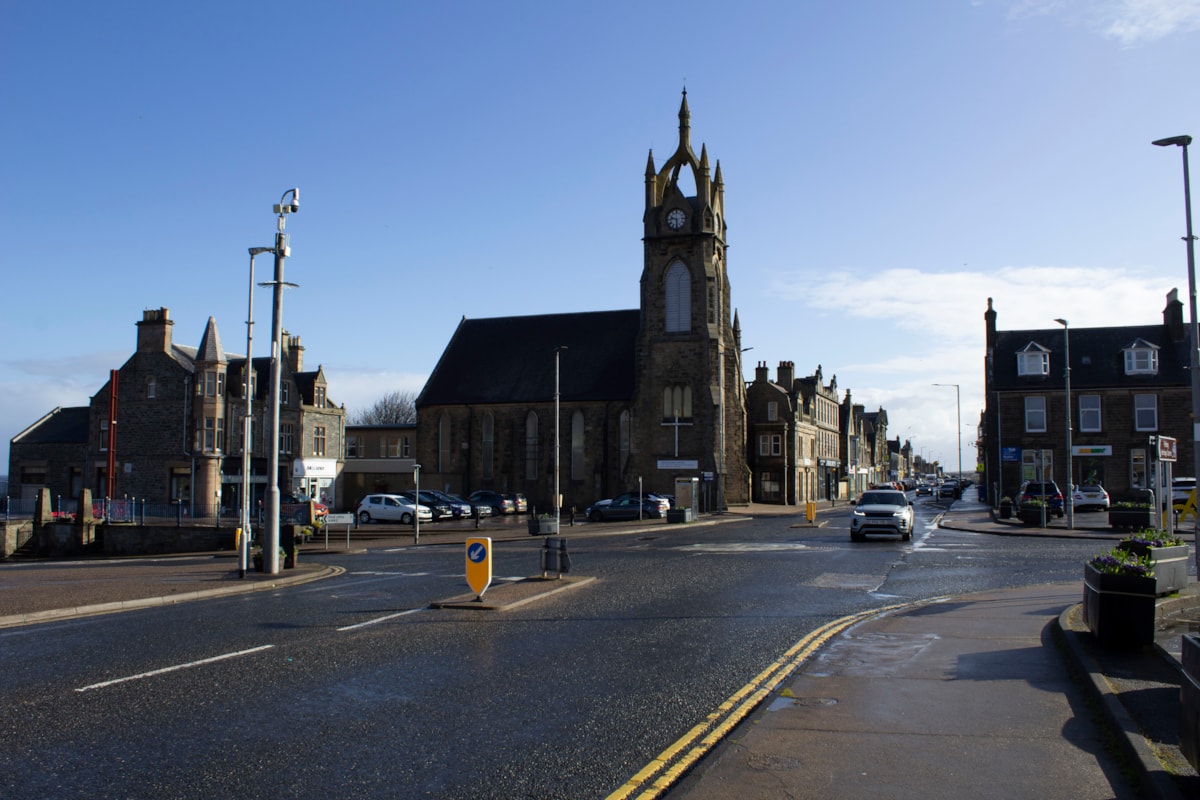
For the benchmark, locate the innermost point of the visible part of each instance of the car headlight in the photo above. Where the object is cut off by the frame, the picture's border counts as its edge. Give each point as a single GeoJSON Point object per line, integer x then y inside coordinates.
{"type": "Point", "coordinates": [858, 513]}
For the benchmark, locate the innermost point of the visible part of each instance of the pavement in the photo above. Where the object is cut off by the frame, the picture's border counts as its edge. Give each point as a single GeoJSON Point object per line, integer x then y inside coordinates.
{"type": "Point", "coordinates": [995, 694]}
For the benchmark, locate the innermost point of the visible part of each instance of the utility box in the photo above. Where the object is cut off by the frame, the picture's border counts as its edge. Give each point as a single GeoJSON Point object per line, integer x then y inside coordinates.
{"type": "Point", "coordinates": [687, 495]}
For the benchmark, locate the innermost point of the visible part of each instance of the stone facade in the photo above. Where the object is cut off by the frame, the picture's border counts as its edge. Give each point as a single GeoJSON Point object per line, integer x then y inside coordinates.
{"type": "Point", "coordinates": [176, 434]}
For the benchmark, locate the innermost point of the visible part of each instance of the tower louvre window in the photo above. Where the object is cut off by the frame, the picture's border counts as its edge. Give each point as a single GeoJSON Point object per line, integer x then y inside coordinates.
{"type": "Point", "coordinates": [678, 287]}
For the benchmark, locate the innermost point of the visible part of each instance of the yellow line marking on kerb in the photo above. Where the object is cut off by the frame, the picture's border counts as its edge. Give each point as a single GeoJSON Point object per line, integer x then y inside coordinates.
{"type": "Point", "coordinates": [673, 762]}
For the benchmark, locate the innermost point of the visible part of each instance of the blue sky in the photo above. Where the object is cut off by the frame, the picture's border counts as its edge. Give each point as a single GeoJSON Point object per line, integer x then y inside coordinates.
{"type": "Point", "coordinates": [889, 166]}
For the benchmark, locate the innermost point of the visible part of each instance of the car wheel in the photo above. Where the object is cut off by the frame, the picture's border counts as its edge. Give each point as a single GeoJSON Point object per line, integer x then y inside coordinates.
{"type": "Point", "coordinates": [364, 518]}
{"type": "Point", "coordinates": [406, 519]}
{"type": "Point", "coordinates": [594, 516]}
{"type": "Point", "coordinates": [856, 537]}
{"type": "Point", "coordinates": [906, 536]}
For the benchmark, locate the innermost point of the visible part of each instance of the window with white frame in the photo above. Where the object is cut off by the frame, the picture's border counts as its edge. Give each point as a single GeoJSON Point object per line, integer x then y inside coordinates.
{"type": "Point", "coordinates": [770, 444]}
{"type": "Point", "coordinates": [1141, 358]}
{"type": "Point", "coordinates": [1035, 414]}
{"type": "Point", "coordinates": [1033, 360]}
{"type": "Point", "coordinates": [319, 434]}
{"type": "Point", "coordinates": [1089, 413]}
{"type": "Point", "coordinates": [772, 411]}
{"type": "Point", "coordinates": [677, 403]}
{"type": "Point", "coordinates": [1145, 412]}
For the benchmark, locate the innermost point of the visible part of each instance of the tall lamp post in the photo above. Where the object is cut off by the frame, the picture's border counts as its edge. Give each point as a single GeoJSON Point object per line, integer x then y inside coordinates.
{"type": "Point", "coordinates": [1069, 497]}
{"type": "Point", "coordinates": [282, 251]}
{"type": "Point", "coordinates": [247, 423]}
{"type": "Point", "coordinates": [958, 407]}
{"type": "Point", "coordinates": [557, 497]}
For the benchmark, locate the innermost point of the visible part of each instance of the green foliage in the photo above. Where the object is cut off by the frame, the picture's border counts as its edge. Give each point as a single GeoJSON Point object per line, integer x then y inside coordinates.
{"type": "Point", "coordinates": [1121, 562]}
{"type": "Point", "coordinates": [1152, 537]}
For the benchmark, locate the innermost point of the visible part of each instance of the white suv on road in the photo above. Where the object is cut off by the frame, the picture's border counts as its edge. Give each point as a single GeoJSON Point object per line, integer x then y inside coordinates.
{"type": "Point", "coordinates": [882, 511]}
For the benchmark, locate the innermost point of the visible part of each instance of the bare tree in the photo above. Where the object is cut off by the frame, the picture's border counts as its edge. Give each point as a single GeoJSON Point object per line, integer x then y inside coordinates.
{"type": "Point", "coordinates": [394, 408]}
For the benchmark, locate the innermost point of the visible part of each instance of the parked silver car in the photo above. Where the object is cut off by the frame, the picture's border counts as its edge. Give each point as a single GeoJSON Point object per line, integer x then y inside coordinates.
{"type": "Point", "coordinates": [390, 508]}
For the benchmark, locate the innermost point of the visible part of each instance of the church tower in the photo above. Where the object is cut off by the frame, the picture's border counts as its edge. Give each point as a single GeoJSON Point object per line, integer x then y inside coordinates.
{"type": "Point", "coordinates": [689, 408]}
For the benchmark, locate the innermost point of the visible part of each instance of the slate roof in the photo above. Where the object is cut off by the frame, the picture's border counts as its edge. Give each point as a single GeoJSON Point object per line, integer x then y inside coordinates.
{"type": "Point", "coordinates": [60, 426]}
{"type": "Point", "coordinates": [511, 360]}
{"type": "Point", "coordinates": [1097, 358]}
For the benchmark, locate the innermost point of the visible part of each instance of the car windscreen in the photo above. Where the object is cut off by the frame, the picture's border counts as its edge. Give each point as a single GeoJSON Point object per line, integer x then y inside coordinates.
{"type": "Point", "coordinates": [882, 499]}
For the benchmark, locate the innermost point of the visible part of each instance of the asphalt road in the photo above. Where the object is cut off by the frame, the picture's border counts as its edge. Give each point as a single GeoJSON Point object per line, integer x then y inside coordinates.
{"type": "Point", "coordinates": [353, 686]}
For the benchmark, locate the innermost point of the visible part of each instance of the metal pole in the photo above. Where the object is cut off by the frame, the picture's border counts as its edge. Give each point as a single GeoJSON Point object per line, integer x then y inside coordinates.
{"type": "Point", "coordinates": [271, 540]}
{"type": "Point", "coordinates": [1190, 239]}
{"type": "Point", "coordinates": [1069, 497]}
{"type": "Point", "coordinates": [417, 504]}
{"type": "Point", "coordinates": [247, 424]}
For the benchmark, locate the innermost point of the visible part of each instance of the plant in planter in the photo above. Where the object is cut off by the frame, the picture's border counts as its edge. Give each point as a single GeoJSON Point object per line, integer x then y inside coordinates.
{"type": "Point", "coordinates": [1131, 515]}
{"type": "Point", "coordinates": [1034, 512]}
{"type": "Point", "coordinates": [543, 524]}
{"type": "Point", "coordinates": [1119, 599]}
{"type": "Point", "coordinates": [1167, 554]}
{"type": "Point", "coordinates": [1006, 505]}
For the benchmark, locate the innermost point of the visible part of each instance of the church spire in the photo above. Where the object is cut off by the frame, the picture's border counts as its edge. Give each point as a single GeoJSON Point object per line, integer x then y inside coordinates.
{"type": "Point", "coordinates": [685, 124]}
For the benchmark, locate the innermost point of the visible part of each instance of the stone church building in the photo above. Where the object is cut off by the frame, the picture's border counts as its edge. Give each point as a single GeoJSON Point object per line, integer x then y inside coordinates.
{"type": "Point", "coordinates": [640, 397]}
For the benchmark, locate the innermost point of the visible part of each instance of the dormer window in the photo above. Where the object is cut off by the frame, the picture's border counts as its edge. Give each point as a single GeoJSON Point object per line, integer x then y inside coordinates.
{"type": "Point", "coordinates": [1033, 359]}
{"type": "Point", "coordinates": [1141, 358]}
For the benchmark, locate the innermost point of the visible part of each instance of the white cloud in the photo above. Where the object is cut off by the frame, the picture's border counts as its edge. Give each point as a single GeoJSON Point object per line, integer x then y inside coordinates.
{"type": "Point", "coordinates": [1130, 22]}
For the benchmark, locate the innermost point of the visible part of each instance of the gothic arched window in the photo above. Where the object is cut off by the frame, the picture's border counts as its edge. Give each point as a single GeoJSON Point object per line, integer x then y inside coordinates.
{"type": "Point", "coordinates": [577, 446]}
{"type": "Point", "coordinates": [677, 403]}
{"type": "Point", "coordinates": [531, 446]}
{"type": "Point", "coordinates": [678, 288]}
{"type": "Point", "coordinates": [487, 456]}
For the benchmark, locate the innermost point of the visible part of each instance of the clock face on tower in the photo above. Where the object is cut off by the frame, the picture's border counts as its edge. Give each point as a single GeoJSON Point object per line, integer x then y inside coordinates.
{"type": "Point", "coordinates": [676, 219]}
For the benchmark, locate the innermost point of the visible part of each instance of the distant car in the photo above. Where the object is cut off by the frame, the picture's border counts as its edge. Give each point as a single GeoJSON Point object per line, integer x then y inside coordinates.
{"type": "Point", "coordinates": [659, 501]}
{"type": "Point", "coordinates": [292, 499]}
{"type": "Point", "coordinates": [948, 489]}
{"type": "Point", "coordinates": [924, 488]}
{"type": "Point", "coordinates": [626, 507]}
{"type": "Point", "coordinates": [439, 508]}
{"type": "Point", "coordinates": [1181, 488]}
{"type": "Point", "coordinates": [1041, 490]}
{"type": "Point", "coordinates": [1090, 496]}
{"type": "Point", "coordinates": [498, 503]}
{"type": "Point", "coordinates": [390, 508]}
{"type": "Point", "coordinates": [881, 511]}
{"type": "Point", "coordinates": [459, 508]}
{"type": "Point", "coordinates": [519, 501]}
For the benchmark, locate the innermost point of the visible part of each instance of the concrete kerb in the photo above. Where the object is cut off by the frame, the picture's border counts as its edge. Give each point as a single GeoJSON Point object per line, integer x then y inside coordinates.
{"type": "Point", "coordinates": [167, 600]}
{"type": "Point", "coordinates": [1134, 743]}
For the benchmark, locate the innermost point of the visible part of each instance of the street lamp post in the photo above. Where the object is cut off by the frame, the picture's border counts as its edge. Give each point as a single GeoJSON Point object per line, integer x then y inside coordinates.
{"type": "Point", "coordinates": [958, 407]}
{"type": "Point", "coordinates": [1183, 142]}
{"type": "Point", "coordinates": [1069, 497]}
{"type": "Point", "coordinates": [247, 423]}
{"type": "Point", "coordinates": [557, 456]}
{"type": "Point", "coordinates": [282, 251]}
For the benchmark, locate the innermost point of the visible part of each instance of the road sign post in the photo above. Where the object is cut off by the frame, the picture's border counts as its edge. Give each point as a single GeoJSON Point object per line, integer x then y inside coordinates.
{"type": "Point", "coordinates": [479, 564]}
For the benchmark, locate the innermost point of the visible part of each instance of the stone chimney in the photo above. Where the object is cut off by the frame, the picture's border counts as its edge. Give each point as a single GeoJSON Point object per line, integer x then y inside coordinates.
{"type": "Point", "coordinates": [154, 331]}
{"type": "Point", "coordinates": [786, 374]}
{"type": "Point", "coordinates": [293, 352]}
{"type": "Point", "coordinates": [1173, 317]}
{"type": "Point", "coordinates": [761, 373]}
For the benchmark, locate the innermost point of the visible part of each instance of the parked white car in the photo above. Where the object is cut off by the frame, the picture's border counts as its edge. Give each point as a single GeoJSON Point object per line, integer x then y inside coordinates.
{"type": "Point", "coordinates": [390, 508]}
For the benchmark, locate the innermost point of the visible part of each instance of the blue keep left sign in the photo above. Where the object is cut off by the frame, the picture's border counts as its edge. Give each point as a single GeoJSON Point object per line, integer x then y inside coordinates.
{"type": "Point", "coordinates": [479, 564]}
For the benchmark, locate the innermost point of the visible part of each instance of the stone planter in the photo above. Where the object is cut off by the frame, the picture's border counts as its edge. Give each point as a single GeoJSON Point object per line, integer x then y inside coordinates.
{"type": "Point", "coordinates": [1170, 565]}
{"type": "Point", "coordinates": [1189, 700]}
{"type": "Point", "coordinates": [1119, 609]}
{"type": "Point", "coordinates": [680, 515]}
{"type": "Point", "coordinates": [1132, 519]}
{"type": "Point", "coordinates": [1035, 515]}
{"type": "Point", "coordinates": [543, 527]}
{"type": "Point", "coordinates": [1005, 509]}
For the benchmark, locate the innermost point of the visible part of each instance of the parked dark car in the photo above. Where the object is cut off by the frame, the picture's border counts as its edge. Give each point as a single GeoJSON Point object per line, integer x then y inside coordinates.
{"type": "Point", "coordinates": [437, 506]}
{"type": "Point", "coordinates": [498, 503]}
{"type": "Point", "coordinates": [1041, 490]}
{"type": "Point", "coordinates": [626, 506]}
{"type": "Point", "coordinates": [459, 508]}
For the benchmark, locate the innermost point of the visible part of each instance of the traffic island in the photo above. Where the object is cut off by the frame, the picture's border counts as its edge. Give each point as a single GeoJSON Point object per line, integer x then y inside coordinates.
{"type": "Point", "coordinates": [511, 594]}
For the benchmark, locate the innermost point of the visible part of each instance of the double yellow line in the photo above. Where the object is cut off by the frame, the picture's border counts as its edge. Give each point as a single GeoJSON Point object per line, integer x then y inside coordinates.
{"type": "Point", "coordinates": [670, 765]}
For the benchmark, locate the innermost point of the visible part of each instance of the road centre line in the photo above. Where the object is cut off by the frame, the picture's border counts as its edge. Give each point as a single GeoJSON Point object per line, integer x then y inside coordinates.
{"type": "Point", "coordinates": [672, 763]}
{"type": "Point", "coordinates": [377, 620]}
{"type": "Point", "coordinates": [175, 668]}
